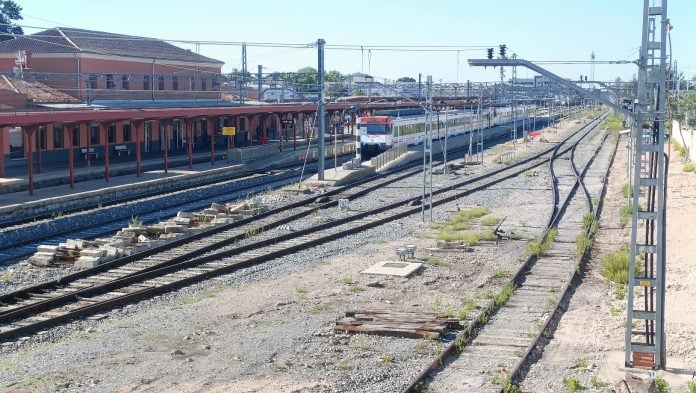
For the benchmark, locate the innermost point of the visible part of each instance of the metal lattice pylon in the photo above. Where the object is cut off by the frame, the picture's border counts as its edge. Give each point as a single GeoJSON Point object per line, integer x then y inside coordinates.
{"type": "Point", "coordinates": [645, 338]}
{"type": "Point", "coordinates": [428, 151]}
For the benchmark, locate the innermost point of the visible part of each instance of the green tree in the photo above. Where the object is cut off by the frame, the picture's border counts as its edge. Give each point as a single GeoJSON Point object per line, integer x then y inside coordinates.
{"type": "Point", "coordinates": [9, 12]}
{"type": "Point", "coordinates": [406, 79]}
{"type": "Point", "coordinates": [236, 76]}
{"type": "Point", "coordinates": [334, 76]}
{"type": "Point", "coordinates": [306, 79]}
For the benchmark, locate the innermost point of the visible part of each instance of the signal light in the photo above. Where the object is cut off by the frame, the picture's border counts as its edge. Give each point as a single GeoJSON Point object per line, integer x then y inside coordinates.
{"type": "Point", "coordinates": [490, 53]}
{"type": "Point", "coordinates": [503, 48]}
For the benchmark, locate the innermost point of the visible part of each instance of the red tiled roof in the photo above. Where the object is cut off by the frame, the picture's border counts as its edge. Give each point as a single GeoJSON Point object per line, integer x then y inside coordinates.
{"type": "Point", "coordinates": [36, 92]}
{"type": "Point", "coordinates": [69, 40]}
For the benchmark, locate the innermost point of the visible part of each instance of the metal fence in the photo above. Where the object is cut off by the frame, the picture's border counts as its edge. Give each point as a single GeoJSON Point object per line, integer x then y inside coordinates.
{"type": "Point", "coordinates": [388, 156]}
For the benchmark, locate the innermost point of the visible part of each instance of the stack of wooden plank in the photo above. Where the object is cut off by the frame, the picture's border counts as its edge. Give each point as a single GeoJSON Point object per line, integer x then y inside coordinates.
{"type": "Point", "coordinates": [394, 323]}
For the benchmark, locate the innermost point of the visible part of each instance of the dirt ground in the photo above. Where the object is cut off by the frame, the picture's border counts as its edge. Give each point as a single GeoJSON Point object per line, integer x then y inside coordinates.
{"type": "Point", "coordinates": [589, 340]}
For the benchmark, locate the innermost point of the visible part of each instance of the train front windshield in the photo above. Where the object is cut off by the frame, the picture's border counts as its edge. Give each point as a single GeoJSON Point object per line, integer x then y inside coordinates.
{"type": "Point", "coordinates": [376, 129]}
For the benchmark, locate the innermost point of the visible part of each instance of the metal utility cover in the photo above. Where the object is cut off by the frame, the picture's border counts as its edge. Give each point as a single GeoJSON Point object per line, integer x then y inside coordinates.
{"type": "Point", "coordinates": [390, 268]}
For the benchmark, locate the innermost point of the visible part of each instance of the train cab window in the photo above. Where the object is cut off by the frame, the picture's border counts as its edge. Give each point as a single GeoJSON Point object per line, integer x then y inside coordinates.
{"type": "Point", "coordinates": [375, 129]}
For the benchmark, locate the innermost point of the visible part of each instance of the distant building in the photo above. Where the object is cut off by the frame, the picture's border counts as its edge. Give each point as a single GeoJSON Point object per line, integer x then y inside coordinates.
{"type": "Point", "coordinates": [95, 66]}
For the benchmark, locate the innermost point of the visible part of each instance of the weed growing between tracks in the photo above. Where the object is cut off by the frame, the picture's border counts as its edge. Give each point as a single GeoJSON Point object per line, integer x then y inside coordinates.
{"type": "Point", "coordinates": [539, 247]}
{"type": "Point", "coordinates": [585, 239]}
{"type": "Point", "coordinates": [613, 123]}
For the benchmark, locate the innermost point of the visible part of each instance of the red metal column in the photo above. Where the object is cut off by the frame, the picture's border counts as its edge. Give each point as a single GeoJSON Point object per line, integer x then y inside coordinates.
{"type": "Point", "coordinates": [165, 140]}
{"type": "Point", "coordinates": [71, 154]}
{"type": "Point", "coordinates": [138, 125]}
{"type": "Point", "coordinates": [189, 140]}
{"type": "Point", "coordinates": [211, 133]}
{"type": "Point", "coordinates": [104, 127]}
{"type": "Point", "coordinates": [2, 150]}
{"type": "Point", "coordinates": [30, 153]}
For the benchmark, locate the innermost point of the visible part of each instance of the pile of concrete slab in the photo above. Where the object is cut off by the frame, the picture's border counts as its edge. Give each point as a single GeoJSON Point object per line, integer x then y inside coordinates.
{"type": "Point", "coordinates": [137, 237]}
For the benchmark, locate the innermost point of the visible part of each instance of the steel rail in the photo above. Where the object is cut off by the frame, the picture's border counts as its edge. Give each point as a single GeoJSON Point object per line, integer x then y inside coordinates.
{"type": "Point", "coordinates": [470, 332]}
{"type": "Point", "coordinates": [127, 280]}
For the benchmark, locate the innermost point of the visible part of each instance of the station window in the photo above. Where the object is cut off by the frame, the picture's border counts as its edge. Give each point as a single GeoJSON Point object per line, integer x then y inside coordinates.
{"type": "Point", "coordinates": [92, 81]}
{"type": "Point", "coordinates": [41, 138]}
{"type": "Point", "coordinates": [111, 133]}
{"type": "Point", "coordinates": [215, 84]}
{"type": "Point", "coordinates": [57, 137]}
{"type": "Point", "coordinates": [175, 82]}
{"type": "Point", "coordinates": [146, 82]}
{"type": "Point", "coordinates": [127, 132]}
{"type": "Point", "coordinates": [203, 84]}
{"type": "Point", "coordinates": [125, 82]}
{"type": "Point", "coordinates": [160, 82]}
{"type": "Point", "coordinates": [94, 134]}
{"type": "Point", "coordinates": [192, 83]}
{"type": "Point", "coordinates": [76, 136]}
{"type": "Point", "coordinates": [110, 81]}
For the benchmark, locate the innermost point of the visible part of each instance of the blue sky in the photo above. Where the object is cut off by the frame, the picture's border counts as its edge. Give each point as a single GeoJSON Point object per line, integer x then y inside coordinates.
{"type": "Point", "coordinates": [534, 29]}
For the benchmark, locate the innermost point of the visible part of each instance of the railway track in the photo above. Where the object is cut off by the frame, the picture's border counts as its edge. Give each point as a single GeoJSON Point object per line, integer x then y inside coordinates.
{"type": "Point", "coordinates": [488, 356]}
{"type": "Point", "coordinates": [61, 228]}
{"type": "Point", "coordinates": [194, 259]}
{"type": "Point", "coordinates": [20, 247]}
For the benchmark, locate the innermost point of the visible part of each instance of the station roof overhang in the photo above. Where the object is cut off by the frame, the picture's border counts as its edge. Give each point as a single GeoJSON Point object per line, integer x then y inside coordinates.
{"type": "Point", "coordinates": [39, 117]}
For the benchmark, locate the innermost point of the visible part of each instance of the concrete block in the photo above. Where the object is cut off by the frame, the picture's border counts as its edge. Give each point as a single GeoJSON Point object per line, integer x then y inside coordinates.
{"type": "Point", "coordinates": [210, 212]}
{"type": "Point", "coordinates": [221, 221]}
{"type": "Point", "coordinates": [142, 239]}
{"type": "Point", "coordinates": [173, 229]}
{"type": "Point", "coordinates": [235, 208]}
{"type": "Point", "coordinates": [186, 221]}
{"type": "Point", "coordinates": [47, 248]}
{"type": "Point", "coordinates": [91, 252]}
{"type": "Point", "coordinates": [85, 262]}
{"type": "Point", "coordinates": [74, 243]}
{"type": "Point", "coordinates": [184, 215]}
{"type": "Point", "coordinates": [38, 260]}
{"type": "Point", "coordinates": [119, 242]}
{"type": "Point", "coordinates": [218, 207]}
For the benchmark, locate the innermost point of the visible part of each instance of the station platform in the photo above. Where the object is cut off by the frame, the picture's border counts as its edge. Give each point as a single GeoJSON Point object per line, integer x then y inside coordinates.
{"type": "Point", "coordinates": [92, 186]}
{"type": "Point", "coordinates": [335, 177]}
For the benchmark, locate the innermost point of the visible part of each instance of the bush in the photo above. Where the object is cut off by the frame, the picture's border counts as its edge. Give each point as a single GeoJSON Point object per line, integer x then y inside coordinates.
{"type": "Point", "coordinates": [691, 386]}
{"type": "Point", "coordinates": [625, 190]}
{"type": "Point", "coordinates": [572, 384]}
{"type": "Point", "coordinates": [661, 384]}
{"type": "Point", "coordinates": [615, 266]}
{"type": "Point", "coordinates": [689, 167]}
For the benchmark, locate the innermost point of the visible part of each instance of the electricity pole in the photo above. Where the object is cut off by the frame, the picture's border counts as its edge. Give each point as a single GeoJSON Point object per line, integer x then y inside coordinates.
{"type": "Point", "coordinates": [320, 109]}
{"type": "Point", "coordinates": [428, 150]}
